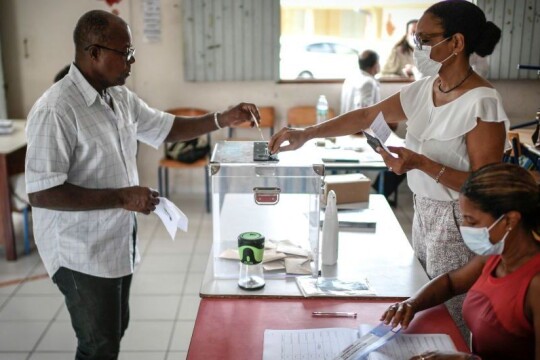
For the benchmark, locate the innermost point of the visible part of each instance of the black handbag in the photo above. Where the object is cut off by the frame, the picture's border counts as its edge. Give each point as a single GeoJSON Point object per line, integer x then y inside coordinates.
{"type": "Point", "coordinates": [189, 151]}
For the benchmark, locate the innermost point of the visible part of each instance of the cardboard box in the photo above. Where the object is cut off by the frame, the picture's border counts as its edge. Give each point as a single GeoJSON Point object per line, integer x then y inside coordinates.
{"type": "Point", "coordinates": [349, 188]}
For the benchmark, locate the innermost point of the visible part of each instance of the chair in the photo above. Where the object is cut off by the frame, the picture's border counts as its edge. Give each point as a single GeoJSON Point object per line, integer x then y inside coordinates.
{"type": "Point", "coordinates": [268, 115]}
{"type": "Point", "coordinates": [166, 163]}
{"type": "Point", "coordinates": [302, 116]}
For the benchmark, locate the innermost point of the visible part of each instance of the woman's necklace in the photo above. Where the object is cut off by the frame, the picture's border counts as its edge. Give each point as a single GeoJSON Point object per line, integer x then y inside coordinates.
{"type": "Point", "coordinates": [469, 73]}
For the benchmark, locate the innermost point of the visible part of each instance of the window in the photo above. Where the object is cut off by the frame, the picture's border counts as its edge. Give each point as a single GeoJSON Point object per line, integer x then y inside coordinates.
{"type": "Point", "coordinates": [248, 40]}
{"type": "Point", "coordinates": [322, 39]}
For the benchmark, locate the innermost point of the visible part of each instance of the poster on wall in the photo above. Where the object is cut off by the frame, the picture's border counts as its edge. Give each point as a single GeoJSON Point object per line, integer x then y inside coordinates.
{"type": "Point", "coordinates": [151, 20]}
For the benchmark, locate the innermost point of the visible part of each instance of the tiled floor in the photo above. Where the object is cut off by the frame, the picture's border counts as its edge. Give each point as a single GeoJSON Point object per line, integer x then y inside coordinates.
{"type": "Point", "coordinates": [34, 323]}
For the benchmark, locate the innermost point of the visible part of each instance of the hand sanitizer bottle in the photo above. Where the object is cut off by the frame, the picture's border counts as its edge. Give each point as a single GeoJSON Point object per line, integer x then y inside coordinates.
{"type": "Point", "coordinates": [251, 252]}
{"type": "Point", "coordinates": [322, 109]}
{"type": "Point", "coordinates": [330, 231]}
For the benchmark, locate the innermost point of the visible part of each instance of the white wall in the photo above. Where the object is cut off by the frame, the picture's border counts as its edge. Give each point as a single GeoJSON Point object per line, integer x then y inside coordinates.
{"type": "Point", "coordinates": [157, 75]}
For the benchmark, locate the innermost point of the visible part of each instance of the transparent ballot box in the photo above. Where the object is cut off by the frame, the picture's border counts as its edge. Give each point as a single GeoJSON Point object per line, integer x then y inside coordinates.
{"type": "Point", "coordinates": [278, 198]}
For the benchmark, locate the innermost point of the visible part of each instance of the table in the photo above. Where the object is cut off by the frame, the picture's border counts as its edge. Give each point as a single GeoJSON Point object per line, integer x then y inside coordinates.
{"type": "Point", "coordinates": [12, 156]}
{"type": "Point", "coordinates": [234, 328]}
{"type": "Point", "coordinates": [525, 138]}
{"type": "Point", "coordinates": [384, 256]}
{"type": "Point", "coordinates": [353, 154]}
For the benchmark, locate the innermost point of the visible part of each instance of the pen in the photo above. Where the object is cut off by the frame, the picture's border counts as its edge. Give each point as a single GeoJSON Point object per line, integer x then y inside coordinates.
{"type": "Point", "coordinates": [334, 314]}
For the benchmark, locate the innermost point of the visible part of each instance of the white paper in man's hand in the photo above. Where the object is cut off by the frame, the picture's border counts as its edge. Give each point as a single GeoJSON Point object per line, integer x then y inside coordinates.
{"type": "Point", "coordinates": [172, 217]}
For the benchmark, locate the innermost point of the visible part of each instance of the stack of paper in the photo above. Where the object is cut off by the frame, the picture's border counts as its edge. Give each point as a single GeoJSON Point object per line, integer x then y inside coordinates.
{"type": "Point", "coordinates": [280, 255]}
{"type": "Point", "coordinates": [355, 219]}
{"type": "Point", "coordinates": [322, 286]}
{"type": "Point", "coordinates": [6, 126]}
{"type": "Point", "coordinates": [330, 343]}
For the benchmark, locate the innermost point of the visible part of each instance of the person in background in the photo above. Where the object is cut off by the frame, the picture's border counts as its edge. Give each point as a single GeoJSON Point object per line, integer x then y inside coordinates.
{"type": "Point", "coordinates": [400, 62]}
{"type": "Point", "coordinates": [455, 124]}
{"type": "Point", "coordinates": [82, 180]}
{"type": "Point", "coordinates": [500, 205]}
{"type": "Point", "coordinates": [361, 89]}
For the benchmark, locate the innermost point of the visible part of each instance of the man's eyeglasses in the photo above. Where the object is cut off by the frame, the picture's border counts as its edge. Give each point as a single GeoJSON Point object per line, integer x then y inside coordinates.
{"type": "Point", "coordinates": [128, 54]}
{"type": "Point", "coordinates": [418, 41]}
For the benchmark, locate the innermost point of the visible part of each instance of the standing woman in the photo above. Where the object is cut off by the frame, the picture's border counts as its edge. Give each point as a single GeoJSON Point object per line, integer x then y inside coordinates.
{"type": "Point", "coordinates": [455, 124]}
{"type": "Point", "coordinates": [400, 61]}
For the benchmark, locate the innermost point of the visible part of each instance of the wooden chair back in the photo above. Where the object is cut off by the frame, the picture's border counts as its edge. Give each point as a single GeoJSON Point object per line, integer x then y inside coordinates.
{"type": "Point", "coordinates": [302, 116]}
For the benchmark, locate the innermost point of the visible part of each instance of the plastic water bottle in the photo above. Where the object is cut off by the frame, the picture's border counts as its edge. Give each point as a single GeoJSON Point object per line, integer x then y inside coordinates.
{"type": "Point", "coordinates": [322, 109]}
{"type": "Point", "coordinates": [330, 231]}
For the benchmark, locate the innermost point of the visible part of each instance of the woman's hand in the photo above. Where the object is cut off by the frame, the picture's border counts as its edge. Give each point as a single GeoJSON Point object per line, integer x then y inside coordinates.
{"type": "Point", "coordinates": [436, 355]}
{"type": "Point", "coordinates": [406, 159]}
{"type": "Point", "coordinates": [295, 138]}
{"type": "Point", "coordinates": [399, 314]}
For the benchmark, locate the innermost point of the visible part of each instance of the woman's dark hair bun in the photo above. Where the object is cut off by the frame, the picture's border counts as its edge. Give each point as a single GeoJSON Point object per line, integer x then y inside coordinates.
{"type": "Point", "coordinates": [487, 39]}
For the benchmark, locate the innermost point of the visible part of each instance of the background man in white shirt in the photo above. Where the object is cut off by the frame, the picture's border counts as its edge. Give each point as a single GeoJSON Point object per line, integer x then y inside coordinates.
{"type": "Point", "coordinates": [82, 180]}
{"type": "Point", "coordinates": [361, 89]}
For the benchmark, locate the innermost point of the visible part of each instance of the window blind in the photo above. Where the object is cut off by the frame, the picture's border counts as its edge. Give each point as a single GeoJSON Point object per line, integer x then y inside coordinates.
{"type": "Point", "coordinates": [231, 40]}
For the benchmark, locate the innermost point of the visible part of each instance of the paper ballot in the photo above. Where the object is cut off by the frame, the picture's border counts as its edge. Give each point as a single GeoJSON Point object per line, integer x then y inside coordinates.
{"type": "Point", "coordinates": [378, 132]}
{"type": "Point", "coordinates": [381, 128]}
{"type": "Point", "coordinates": [172, 217]}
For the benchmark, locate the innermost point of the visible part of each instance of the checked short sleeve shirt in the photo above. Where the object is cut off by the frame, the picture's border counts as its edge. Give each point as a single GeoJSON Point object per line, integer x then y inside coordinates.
{"type": "Point", "coordinates": [74, 136]}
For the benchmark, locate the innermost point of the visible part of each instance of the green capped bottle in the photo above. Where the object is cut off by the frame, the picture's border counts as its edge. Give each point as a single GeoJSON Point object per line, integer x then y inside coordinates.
{"type": "Point", "coordinates": [251, 252]}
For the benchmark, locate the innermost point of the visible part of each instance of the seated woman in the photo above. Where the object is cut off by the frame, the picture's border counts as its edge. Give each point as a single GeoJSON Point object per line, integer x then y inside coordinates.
{"type": "Point", "coordinates": [501, 223]}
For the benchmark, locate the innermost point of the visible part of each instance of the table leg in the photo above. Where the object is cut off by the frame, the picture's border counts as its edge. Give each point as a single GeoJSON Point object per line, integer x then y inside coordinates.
{"type": "Point", "coordinates": [381, 182]}
{"type": "Point", "coordinates": [7, 234]}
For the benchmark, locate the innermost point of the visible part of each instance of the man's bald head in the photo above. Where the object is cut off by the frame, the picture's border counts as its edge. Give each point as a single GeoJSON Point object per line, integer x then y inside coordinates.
{"type": "Point", "coordinates": [93, 28]}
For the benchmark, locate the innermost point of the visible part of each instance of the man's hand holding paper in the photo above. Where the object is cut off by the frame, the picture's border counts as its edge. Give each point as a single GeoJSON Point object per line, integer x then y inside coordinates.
{"type": "Point", "coordinates": [172, 217]}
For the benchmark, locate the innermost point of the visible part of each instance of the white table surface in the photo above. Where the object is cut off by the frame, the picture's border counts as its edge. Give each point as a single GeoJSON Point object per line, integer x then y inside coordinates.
{"type": "Point", "coordinates": [384, 256]}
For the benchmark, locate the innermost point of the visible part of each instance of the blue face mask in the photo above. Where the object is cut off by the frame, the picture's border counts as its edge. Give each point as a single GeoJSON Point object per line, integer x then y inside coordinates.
{"type": "Point", "coordinates": [477, 239]}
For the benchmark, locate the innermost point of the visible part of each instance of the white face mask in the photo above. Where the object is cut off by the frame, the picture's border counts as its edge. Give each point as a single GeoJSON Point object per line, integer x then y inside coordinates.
{"type": "Point", "coordinates": [424, 63]}
{"type": "Point", "coordinates": [477, 239]}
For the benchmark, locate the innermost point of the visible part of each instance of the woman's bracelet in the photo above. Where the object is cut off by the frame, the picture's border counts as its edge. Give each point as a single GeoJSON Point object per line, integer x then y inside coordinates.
{"type": "Point", "coordinates": [443, 169]}
{"type": "Point", "coordinates": [216, 120]}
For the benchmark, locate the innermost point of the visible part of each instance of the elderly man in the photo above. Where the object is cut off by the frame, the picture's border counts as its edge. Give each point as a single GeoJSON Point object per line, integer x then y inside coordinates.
{"type": "Point", "coordinates": [82, 179]}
